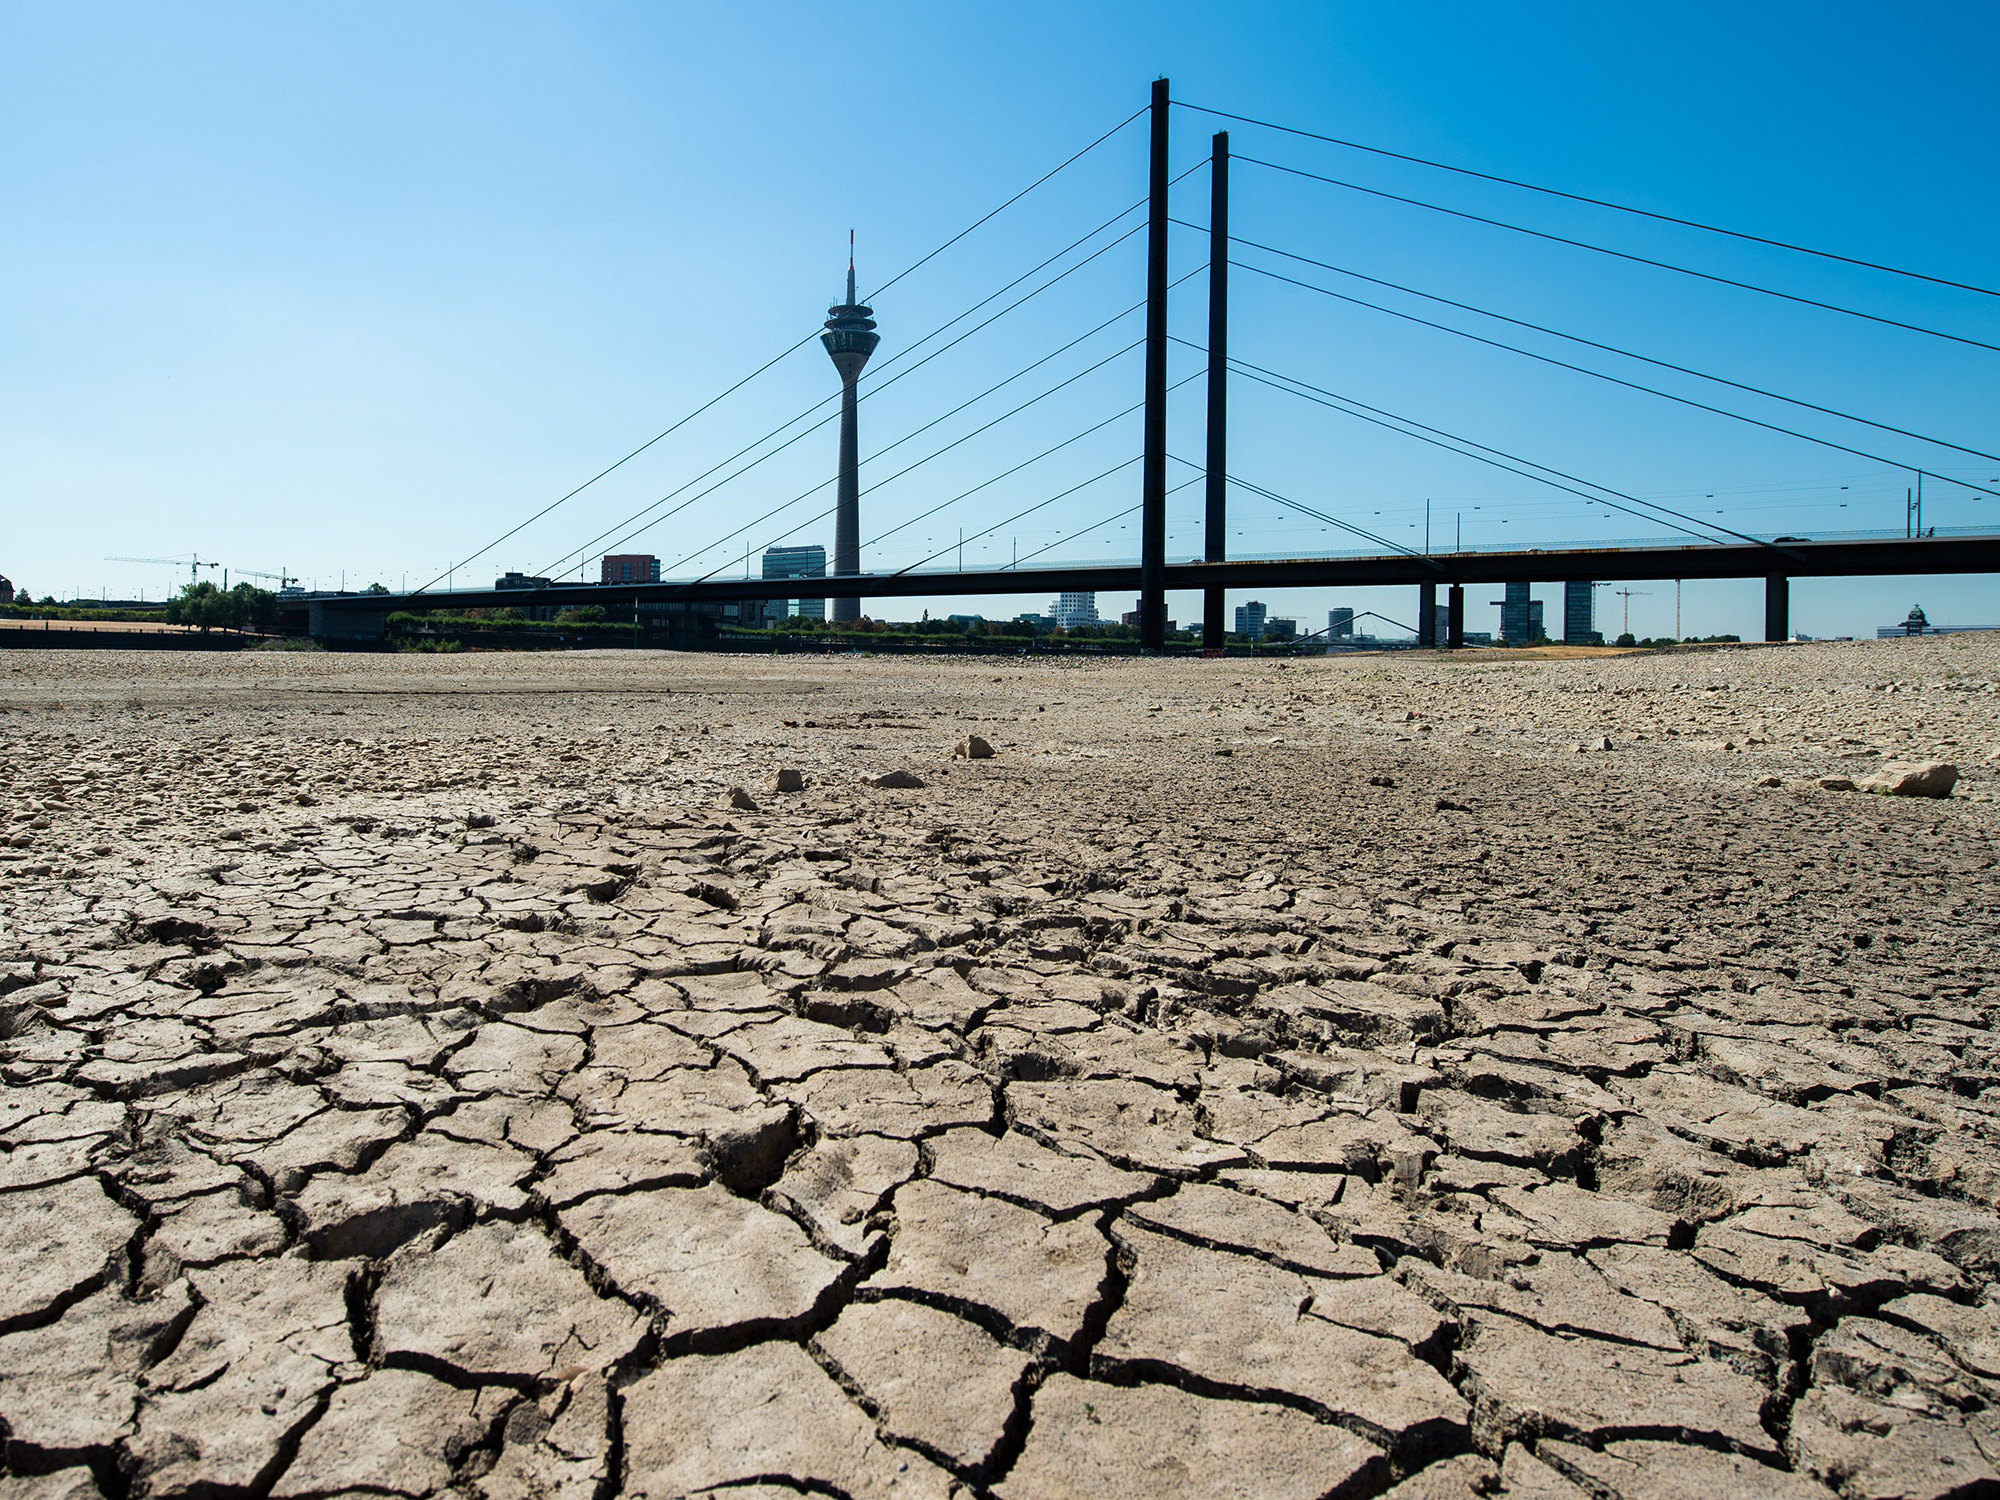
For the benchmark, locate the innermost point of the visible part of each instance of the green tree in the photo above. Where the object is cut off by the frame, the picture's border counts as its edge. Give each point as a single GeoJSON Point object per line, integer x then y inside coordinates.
{"type": "Point", "coordinates": [254, 609]}
{"type": "Point", "coordinates": [197, 604]}
{"type": "Point", "coordinates": [206, 608]}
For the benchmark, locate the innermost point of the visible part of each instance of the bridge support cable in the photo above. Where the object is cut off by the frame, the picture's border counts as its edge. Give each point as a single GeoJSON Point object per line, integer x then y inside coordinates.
{"type": "Point", "coordinates": [1093, 526]}
{"type": "Point", "coordinates": [1130, 509]}
{"type": "Point", "coordinates": [791, 350]}
{"type": "Point", "coordinates": [880, 384]}
{"type": "Point", "coordinates": [938, 453]}
{"type": "Point", "coordinates": [1115, 416]}
{"type": "Point", "coordinates": [1623, 208]}
{"type": "Point", "coordinates": [1642, 260]}
{"type": "Point", "coordinates": [873, 390]}
{"type": "Point", "coordinates": [1438, 437]}
{"type": "Point", "coordinates": [944, 505]}
{"type": "Point", "coordinates": [1018, 515]}
{"type": "Point", "coordinates": [1450, 442]}
{"type": "Point", "coordinates": [1557, 333]}
{"type": "Point", "coordinates": [955, 442]}
{"type": "Point", "coordinates": [1331, 520]}
{"type": "Point", "coordinates": [989, 391]}
{"type": "Point", "coordinates": [995, 213]}
{"type": "Point", "coordinates": [1153, 476]}
{"type": "Point", "coordinates": [1215, 511]}
{"type": "Point", "coordinates": [1001, 292]}
{"type": "Point", "coordinates": [577, 555]}
{"type": "Point", "coordinates": [646, 525]}
{"type": "Point", "coordinates": [877, 384]}
{"type": "Point", "coordinates": [1633, 385]}
{"type": "Point", "coordinates": [1172, 490]}
{"type": "Point", "coordinates": [668, 432]}
{"type": "Point", "coordinates": [1005, 473]}
{"type": "Point", "coordinates": [967, 494]}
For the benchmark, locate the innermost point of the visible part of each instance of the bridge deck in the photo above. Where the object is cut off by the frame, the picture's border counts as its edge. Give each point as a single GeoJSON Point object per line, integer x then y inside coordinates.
{"type": "Point", "coordinates": [1839, 558]}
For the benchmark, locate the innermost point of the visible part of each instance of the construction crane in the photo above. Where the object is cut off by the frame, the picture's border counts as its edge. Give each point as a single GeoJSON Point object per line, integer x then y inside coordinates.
{"type": "Point", "coordinates": [285, 580]}
{"type": "Point", "coordinates": [192, 563]}
{"type": "Point", "coordinates": [1628, 595]}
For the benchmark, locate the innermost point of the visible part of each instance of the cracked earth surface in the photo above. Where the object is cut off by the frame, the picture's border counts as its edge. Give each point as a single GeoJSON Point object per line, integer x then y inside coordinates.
{"type": "Point", "coordinates": [1303, 1080]}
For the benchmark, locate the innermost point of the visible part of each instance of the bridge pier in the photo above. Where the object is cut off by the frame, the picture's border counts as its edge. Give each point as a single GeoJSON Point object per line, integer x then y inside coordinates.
{"type": "Point", "coordinates": [1777, 607]}
{"type": "Point", "coordinates": [1153, 470]}
{"type": "Point", "coordinates": [1215, 530]}
{"type": "Point", "coordinates": [1454, 624]}
{"type": "Point", "coordinates": [346, 626]}
{"type": "Point", "coordinates": [1427, 612]}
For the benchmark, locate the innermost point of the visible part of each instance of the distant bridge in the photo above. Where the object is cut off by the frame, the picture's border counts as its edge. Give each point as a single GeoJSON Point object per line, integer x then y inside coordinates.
{"type": "Point", "coordinates": [1705, 548]}
{"type": "Point", "coordinates": [365, 616]}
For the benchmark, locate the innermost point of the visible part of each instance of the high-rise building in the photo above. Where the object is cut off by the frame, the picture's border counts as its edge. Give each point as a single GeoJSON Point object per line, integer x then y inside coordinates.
{"type": "Point", "coordinates": [1514, 622]}
{"type": "Point", "coordinates": [1070, 610]}
{"type": "Point", "coordinates": [1580, 614]}
{"type": "Point", "coordinates": [1340, 623]}
{"type": "Point", "coordinates": [798, 562]}
{"type": "Point", "coordinates": [850, 338]}
{"type": "Point", "coordinates": [1535, 629]}
{"type": "Point", "coordinates": [629, 567]}
{"type": "Point", "coordinates": [1250, 620]}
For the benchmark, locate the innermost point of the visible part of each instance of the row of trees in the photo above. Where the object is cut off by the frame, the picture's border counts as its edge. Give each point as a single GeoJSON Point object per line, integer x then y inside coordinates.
{"type": "Point", "coordinates": [207, 607]}
{"type": "Point", "coordinates": [1628, 639]}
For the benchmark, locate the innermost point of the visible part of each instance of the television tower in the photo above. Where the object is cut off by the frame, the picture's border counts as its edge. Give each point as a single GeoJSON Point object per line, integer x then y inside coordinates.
{"type": "Point", "coordinates": [850, 338]}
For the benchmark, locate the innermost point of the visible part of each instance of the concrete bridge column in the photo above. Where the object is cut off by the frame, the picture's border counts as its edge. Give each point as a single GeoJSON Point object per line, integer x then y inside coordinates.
{"type": "Point", "coordinates": [1777, 607]}
{"type": "Point", "coordinates": [339, 626]}
{"type": "Point", "coordinates": [1454, 625]}
{"type": "Point", "coordinates": [1427, 613]}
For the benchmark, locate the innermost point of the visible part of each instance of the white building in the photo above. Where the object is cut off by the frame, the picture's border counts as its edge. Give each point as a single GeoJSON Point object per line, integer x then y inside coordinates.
{"type": "Point", "coordinates": [1070, 610]}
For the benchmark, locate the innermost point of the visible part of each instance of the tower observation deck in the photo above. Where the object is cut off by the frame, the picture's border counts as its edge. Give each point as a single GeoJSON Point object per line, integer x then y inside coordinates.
{"type": "Point", "coordinates": [850, 338]}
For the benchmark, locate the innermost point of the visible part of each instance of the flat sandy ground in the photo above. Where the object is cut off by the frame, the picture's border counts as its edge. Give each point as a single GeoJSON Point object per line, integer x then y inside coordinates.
{"type": "Point", "coordinates": [1262, 1080]}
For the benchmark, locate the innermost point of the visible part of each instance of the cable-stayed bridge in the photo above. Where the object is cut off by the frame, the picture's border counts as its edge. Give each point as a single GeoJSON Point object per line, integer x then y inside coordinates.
{"type": "Point", "coordinates": [732, 510]}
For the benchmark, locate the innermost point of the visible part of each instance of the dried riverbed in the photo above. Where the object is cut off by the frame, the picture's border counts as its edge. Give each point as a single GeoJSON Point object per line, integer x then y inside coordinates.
{"type": "Point", "coordinates": [1326, 1078]}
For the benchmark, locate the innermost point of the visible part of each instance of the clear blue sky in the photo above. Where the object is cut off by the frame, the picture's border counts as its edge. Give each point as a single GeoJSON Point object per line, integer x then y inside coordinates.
{"type": "Point", "coordinates": [351, 290]}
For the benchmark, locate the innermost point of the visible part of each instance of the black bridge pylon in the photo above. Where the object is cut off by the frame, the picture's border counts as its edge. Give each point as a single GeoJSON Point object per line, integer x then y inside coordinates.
{"type": "Point", "coordinates": [1153, 481]}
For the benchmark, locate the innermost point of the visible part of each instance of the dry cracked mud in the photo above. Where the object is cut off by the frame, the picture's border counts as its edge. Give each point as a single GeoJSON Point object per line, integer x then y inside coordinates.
{"type": "Point", "coordinates": [1266, 1080]}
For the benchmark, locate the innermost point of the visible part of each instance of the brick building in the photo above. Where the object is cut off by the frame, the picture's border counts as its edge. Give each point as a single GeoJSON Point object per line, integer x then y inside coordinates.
{"type": "Point", "coordinates": [630, 567]}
